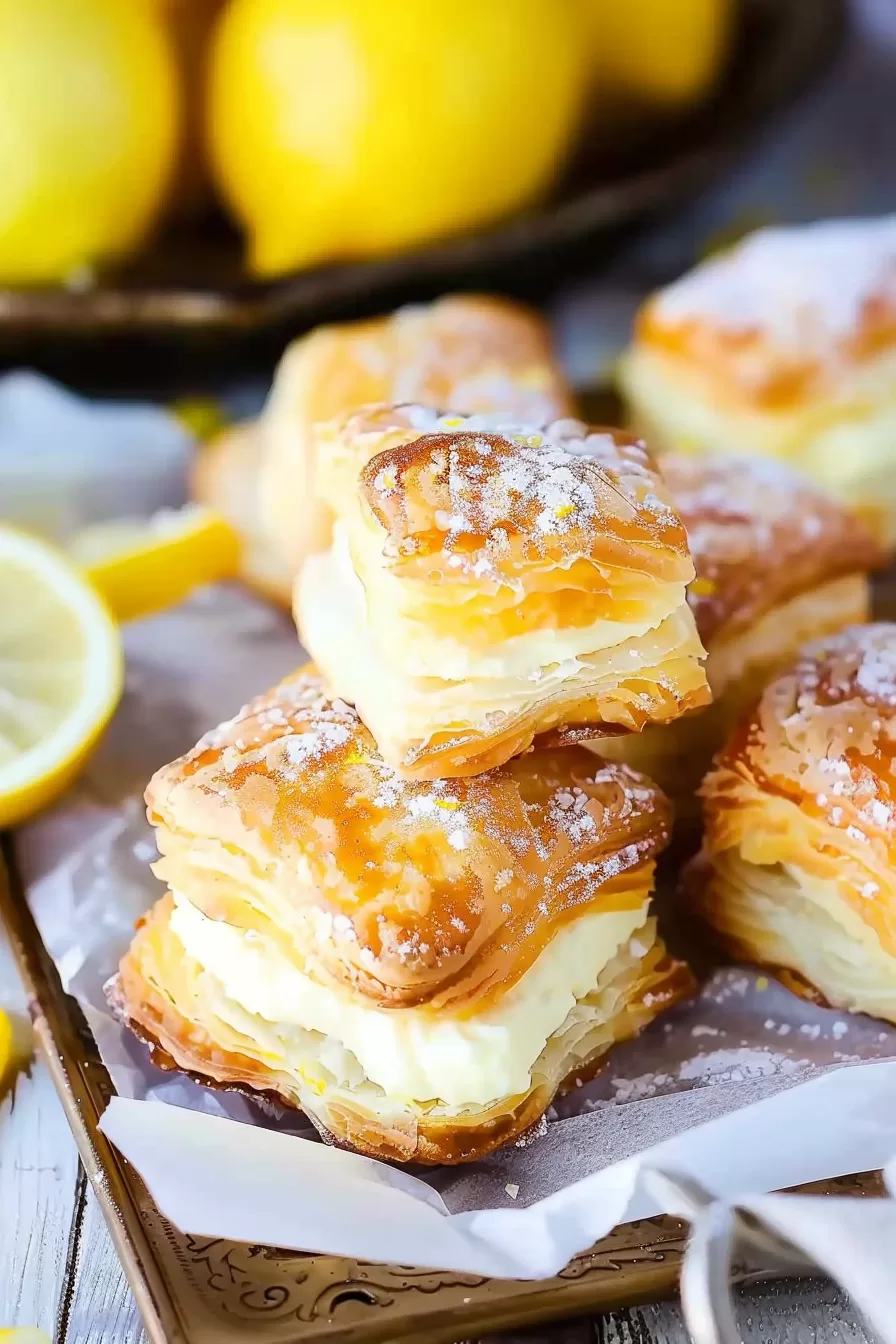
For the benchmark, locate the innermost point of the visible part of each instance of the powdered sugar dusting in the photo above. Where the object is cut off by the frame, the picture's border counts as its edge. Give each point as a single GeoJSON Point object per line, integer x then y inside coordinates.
{"type": "Point", "coordinates": [759, 533]}
{"type": "Point", "coordinates": [481, 484]}
{"type": "Point", "coordinates": [828, 724]}
{"type": "Point", "coordinates": [300, 749]}
{"type": "Point", "coordinates": [803, 288]}
{"type": "Point", "coordinates": [470, 353]}
{"type": "Point", "coordinates": [410, 872]}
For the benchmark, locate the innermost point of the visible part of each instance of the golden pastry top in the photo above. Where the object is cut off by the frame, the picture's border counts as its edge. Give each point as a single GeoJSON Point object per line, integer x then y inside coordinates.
{"type": "Point", "coordinates": [824, 736]}
{"type": "Point", "coordinates": [780, 316]}
{"type": "Point", "coordinates": [413, 892]}
{"type": "Point", "coordinates": [760, 534]}
{"type": "Point", "coordinates": [474, 352]}
{"type": "Point", "coordinates": [488, 496]}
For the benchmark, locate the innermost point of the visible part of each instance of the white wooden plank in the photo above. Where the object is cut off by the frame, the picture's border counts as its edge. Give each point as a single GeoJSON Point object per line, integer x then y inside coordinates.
{"type": "Point", "coordinates": [57, 1266]}
{"type": "Point", "coordinates": [38, 1176]}
{"type": "Point", "coordinates": [786, 1313]}
{"type": "Point", "coordinates": [775, 1313]}
{"type": "Point", "coordinates": [102, 1310]}
{"type": "Point", "coordinates": [12, 994]}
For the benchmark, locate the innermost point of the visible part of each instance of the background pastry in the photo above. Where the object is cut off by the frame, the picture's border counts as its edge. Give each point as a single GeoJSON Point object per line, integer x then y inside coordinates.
{"type": "Point", "coordinates": [783, 346]}
{"type": "Point", "coordinates": [778, 562]}
{"type": "Point", "coordinates": [490, 582]}
{"type": "Point", "coordinates": [225, 476]}
{"type": "Point", "coordinates": [464, 352]}
{"type": "Point", "coordinates": [800, 807]}
{"type": "Point", "coordinates": [418, 966]}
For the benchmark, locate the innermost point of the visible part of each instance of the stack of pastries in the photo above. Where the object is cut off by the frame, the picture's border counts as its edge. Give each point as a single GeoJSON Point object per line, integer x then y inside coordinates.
{"type": "Point", "coordinates": [399, 894]}
{"type": "Point", "coordinates": [408, 889]}
{"type": "Point", "coordinates": [418, 965]}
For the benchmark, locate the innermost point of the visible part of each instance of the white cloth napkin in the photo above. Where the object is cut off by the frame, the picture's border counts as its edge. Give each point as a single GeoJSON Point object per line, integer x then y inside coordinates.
{"type": "Point", "coordinates": [851, 1240]}
{"type": "Point", "coordinates": [66, 462]}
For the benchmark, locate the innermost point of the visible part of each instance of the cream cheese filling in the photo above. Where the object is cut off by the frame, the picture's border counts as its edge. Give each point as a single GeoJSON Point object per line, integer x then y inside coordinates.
{"type": "Point", "coordinates": [332, 619]}
{"type": "Point", "coordinates": [415, 1053]}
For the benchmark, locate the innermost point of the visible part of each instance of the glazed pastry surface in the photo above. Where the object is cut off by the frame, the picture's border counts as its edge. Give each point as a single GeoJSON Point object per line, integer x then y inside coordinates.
{"type": "Point", "coordinates": [472, 353]}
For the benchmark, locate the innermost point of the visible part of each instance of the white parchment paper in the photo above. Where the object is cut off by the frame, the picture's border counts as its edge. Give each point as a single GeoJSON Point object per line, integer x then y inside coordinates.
{"type": "Point", "coordinates": [748, 1087]}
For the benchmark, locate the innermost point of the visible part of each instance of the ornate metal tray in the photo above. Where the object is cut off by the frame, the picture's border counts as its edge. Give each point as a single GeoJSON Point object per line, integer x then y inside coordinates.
{"type": "Point", "coordinates": [194, 1290]}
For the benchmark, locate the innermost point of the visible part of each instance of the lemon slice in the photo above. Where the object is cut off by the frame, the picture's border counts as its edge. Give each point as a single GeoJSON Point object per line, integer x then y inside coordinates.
{"type": "Point", "coordinates": [16, 1046]}
{"type": "Point", "coordinates": [143, 565]}
{"type": "Point", "coordinates": [60, 672]}
{"type": "Point", "coordinates": [24, 1334]}
{"type": "Point", "coordinates": [6, 1049]}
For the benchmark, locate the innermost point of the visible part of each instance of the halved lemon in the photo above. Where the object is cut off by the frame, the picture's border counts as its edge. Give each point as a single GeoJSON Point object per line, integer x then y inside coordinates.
{"type": "Point", "coordinates": [61, 672]}
{"type": "Point", "coordinates": [143, 565]}
{"type": "Point", "coordinates": [24, 1334]}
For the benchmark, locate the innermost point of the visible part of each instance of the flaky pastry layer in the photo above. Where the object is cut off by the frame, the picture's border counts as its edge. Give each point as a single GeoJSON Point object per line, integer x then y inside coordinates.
{"type": "Point", "coordinates": [760, 535]}
{"type": "Point", "coordinates": [490, 583]}
{"type": "Point", "coordinates": [194, 1023]}
{"type": "Point", "coordinates": [779, 318]}
{"type": "Point", "coordinates": [287, 821]}
{"type": "Point", "coordinates": [677, 755]}
{"type": "Point", "coordinates": [467, 352]}
{"type": "Point", "coordinates": [800, 820]}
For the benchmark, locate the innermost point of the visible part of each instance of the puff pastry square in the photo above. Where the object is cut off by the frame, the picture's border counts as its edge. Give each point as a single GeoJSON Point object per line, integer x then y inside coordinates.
{"type": "Point", "coordinates": [797, 871]}
{"type": "Point", "coordinates": [466, 352]}
{"type": "Point", "coordinates": [783, 346]}
{"type": "Point", "coordinates": [778, 562]}
{"type": "Point", "coordinates": [489, 582]}
{"type": "Point", "coordinates": [418, 966]}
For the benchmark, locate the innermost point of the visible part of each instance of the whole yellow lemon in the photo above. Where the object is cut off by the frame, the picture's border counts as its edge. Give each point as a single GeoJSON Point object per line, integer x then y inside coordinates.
{"type": "Point", "coordinates": [89, 125]}
{"type": "Point", "coordinates": [658, 52]}
{"type": "Point", "coordinates": [350, 128]}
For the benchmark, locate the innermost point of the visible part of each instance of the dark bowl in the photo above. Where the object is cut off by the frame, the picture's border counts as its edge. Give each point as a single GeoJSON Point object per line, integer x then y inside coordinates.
{"type": "Point", "coordinates": [189, 295]}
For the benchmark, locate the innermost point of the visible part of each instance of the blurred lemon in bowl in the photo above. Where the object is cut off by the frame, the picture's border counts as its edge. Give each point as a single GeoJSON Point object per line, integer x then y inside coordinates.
{"type": "Point", "coordinates": [89, 130]}
{"type": "Point", "coordinates": [658, 53]}
{"type": "Point", "coordinates": [348, 129]}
